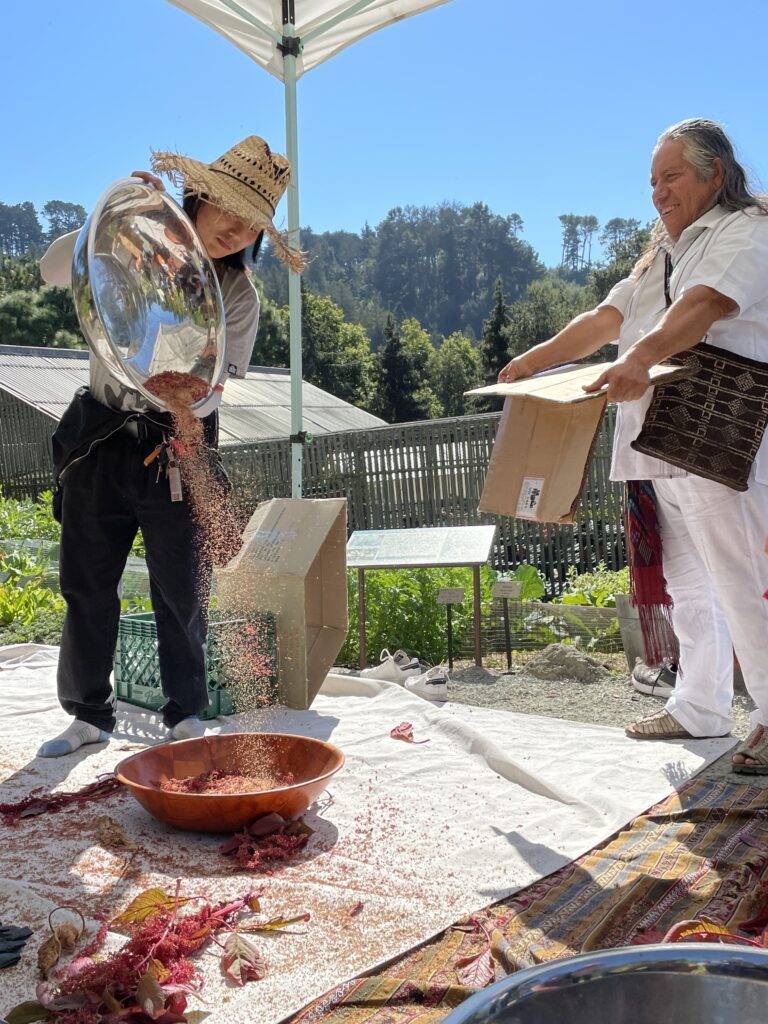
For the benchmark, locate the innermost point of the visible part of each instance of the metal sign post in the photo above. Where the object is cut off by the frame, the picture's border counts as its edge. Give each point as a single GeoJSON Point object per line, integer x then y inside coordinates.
{"type": "Point", "coordinates": [421, 548]}
{"type": "Point", "coordinates": [449, 596]}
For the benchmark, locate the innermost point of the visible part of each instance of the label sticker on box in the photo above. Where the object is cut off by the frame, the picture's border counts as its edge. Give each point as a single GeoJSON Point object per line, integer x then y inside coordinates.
{"type": "Point", "coordinates": [267, 545]}
{"type": "Point", "coordinates": [530, 495]}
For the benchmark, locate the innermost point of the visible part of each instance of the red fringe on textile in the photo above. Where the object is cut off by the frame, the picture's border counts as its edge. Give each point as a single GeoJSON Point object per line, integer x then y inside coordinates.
{"type": "Point", "coordinates": [647, 584]}
{"type": "Point", "coordinates": [658, 636]}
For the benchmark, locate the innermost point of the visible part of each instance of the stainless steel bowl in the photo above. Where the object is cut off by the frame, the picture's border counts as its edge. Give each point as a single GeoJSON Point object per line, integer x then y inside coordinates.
{"type": "Point", "coordinates": [145, 290]}
{"type": "Point", "coordinates": [688, 983]}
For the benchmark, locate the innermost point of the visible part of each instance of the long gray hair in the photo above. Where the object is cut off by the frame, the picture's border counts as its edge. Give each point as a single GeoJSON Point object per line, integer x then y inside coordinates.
{"type": "Point", "coordinates": [704, 142]}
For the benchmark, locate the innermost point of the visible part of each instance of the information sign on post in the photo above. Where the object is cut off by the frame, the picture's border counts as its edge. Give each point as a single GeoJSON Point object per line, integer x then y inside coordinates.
{"type": "Point", "coordinates": [424, 548]}
{"type": "Point", "coordinates": [507, 589]}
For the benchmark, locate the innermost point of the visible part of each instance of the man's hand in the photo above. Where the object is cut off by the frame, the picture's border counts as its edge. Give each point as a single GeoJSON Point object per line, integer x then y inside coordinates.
{"type": "Point", "coordinates": [516, 369]}
{"type": "Point", "coordinates": [684, 324]}
{"type": "Point", "coordinates": [627, 379]}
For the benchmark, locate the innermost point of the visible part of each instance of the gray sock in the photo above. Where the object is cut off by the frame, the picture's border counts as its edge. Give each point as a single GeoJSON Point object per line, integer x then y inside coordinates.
{"type": "Point", "coordinates": [188, 729]}
{"type": "Point", "coordinates": [75, 735]}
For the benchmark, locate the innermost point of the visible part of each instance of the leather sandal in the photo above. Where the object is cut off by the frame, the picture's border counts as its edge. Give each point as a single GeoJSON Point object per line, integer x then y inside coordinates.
{"type": "Point", "coordinates": [755, 747]}
{"type": "Point", "coordinates": [662, 725]}
{"type": "Point", "coordinates": [658, 725]}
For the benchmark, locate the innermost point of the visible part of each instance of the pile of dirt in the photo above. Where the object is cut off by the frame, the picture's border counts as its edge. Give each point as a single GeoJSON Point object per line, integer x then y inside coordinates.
{"type": "Point", "coordinates": [566, 662]}
{"type": "Point", "coordinates": [475, 674]}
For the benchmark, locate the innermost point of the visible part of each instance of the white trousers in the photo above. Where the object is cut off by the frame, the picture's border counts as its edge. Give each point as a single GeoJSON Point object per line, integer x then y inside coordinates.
{"type": "Point", "coordinates": [717, 572]}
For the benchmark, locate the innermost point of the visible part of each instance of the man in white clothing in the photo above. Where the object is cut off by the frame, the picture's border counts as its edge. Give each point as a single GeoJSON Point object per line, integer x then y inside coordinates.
{"type": "Point", "coordinates": [713, 237]}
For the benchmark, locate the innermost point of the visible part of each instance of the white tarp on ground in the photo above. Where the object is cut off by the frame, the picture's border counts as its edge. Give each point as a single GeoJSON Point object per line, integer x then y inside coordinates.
{"type": "Point", "coordinates": [233, 22]}
{"type": "Point", "coordinates": [421, 835]}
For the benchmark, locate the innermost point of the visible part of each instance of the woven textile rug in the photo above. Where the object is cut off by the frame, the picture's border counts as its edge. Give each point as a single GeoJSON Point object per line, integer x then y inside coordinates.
{"type": "Point", "coordinates": [701, 851]}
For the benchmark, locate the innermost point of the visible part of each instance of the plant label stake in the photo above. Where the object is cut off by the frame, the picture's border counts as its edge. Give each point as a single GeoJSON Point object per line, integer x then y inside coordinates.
{"type": "Point", "coordinates": [450, 596]}
{"type": "Point", "coordinates": [504, 590]}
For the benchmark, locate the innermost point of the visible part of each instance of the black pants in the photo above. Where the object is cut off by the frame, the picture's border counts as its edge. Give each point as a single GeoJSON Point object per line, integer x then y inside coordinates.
{"type": "Point", "coordinates": [106, 497]}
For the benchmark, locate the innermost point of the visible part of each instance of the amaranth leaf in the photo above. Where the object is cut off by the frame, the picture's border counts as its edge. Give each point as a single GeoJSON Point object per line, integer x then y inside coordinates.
{"type": "Point", "coordinates": [159, 970]}
{"type": "Point", "coordinates": [241, 961]}
{"type": "Point", "coordinates": [274, 925]}
{"type": "Point", "coordinates": [112, 1004]}
{"type": "Point", "coordinates": [37, 806]}
{"type": "Point", "coordinates": [149, 994]}
{"type": "Point", "coordinates": [48, 954]}
{"type": "Point", "coordinates": [26, 1012]}
{"type": "Point", "coordinates": [478, 972]}
{"type": "Point", "coordinates": [113, 835]}
{"type": "Point", "coordinates": [148, 904]}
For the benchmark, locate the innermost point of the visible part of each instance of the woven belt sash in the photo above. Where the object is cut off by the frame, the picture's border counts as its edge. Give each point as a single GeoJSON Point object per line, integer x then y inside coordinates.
{"type": "Point", "coordinates": [711, 422]}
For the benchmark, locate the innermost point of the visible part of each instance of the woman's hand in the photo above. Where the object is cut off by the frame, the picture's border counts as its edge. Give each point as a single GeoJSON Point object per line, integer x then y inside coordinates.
{"type": "Point", "coordinates": [149, 179]}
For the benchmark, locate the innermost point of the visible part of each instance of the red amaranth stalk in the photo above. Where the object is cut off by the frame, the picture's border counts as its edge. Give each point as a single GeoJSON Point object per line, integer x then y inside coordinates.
{"type": "Point", "coordinates": [39, 801]}
{"type": "Point", "coordinates": [168, 938]}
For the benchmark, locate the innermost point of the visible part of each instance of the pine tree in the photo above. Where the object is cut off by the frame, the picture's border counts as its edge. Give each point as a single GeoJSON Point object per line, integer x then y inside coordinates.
{"type": "Point", "coordinates": [62, 217]}
{"type": "Point", "coordinates": [404, 394]}
{"type": "Point", "coordinates": [494, 345]}
{"type": "Point", "coordinates": [394, 370]}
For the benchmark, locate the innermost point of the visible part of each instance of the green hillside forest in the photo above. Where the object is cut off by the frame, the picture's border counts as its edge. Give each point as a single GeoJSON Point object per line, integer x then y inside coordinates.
{"type": "Point", "coordinates": [399, 319]}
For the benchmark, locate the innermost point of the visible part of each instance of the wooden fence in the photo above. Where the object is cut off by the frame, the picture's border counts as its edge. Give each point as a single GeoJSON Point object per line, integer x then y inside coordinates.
{"type": "Point", "coordinates": [431, 474]}
{"type": "Point", "coordinates": [413, 474]}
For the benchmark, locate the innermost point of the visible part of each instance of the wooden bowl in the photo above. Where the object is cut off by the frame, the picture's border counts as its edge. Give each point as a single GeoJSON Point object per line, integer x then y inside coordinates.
{"type": "Point", "coordinates": [311, 762]}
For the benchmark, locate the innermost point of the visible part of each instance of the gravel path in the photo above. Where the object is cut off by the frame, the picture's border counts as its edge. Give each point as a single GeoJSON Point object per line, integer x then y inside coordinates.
{"type": "Point", "coordinates": [583, 689]}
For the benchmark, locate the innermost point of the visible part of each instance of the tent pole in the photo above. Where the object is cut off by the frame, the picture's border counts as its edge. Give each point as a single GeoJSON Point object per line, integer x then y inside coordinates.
{"type": "Point", "coordinates": [294, 280]}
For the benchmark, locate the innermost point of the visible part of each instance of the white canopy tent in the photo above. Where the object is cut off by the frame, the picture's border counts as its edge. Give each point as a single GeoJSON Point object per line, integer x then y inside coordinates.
{"type": "Point", "coordinates": [289, 38]}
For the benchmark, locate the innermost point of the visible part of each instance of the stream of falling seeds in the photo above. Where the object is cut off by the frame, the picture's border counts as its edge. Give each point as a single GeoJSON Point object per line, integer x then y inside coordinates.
{"type": "Point", "coordinates": [245, 647]}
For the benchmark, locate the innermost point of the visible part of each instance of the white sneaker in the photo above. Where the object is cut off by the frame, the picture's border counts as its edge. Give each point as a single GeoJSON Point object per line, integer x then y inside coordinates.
{"type": "Point", "coordinates": [432, 684]}
{"type": "Point", "coordinates": [395, 668]}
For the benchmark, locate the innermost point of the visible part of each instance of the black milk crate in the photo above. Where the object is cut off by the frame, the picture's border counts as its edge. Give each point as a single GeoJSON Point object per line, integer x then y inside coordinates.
{"type": "Point", "coordinates": [252, 644]}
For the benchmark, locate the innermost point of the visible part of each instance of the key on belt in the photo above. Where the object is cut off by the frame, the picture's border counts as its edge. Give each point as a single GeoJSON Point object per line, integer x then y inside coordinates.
{"type": "Point", "coordinates": [168, 463]}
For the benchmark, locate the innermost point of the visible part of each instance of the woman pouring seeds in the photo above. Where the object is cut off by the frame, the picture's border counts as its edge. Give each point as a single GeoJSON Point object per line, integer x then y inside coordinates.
{"type": "Point", "coordinates": [104, 491]}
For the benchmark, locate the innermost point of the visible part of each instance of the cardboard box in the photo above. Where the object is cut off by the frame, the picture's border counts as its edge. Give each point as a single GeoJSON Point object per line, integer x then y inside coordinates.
{"type": "Point", "coordinates": [293, 563]}
{"type": "Point", "coordinates": [544, 442]}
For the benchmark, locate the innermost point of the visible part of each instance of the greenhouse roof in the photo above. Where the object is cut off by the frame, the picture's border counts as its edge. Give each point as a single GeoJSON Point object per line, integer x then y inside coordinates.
{"type": "Point", "coordinates": [253, 409]}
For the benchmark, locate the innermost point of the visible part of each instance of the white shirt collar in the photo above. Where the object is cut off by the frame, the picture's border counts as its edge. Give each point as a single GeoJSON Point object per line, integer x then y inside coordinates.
{"type": "Point", "coordinates": [706, 220]}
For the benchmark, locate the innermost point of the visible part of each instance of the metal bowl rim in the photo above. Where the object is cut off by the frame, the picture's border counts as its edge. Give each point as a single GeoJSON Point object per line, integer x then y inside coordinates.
{"type": "Point", "coordinates": [660, 958]}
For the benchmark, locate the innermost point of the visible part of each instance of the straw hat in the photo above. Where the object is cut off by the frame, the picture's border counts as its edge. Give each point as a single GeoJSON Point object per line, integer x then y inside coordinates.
{"type": "Point", "coordinates": [247, 181]}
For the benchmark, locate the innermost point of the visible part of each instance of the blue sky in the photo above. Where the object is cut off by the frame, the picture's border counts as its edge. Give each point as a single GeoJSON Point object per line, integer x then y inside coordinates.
{"type": "Point", "coordinates": [537, 109]}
